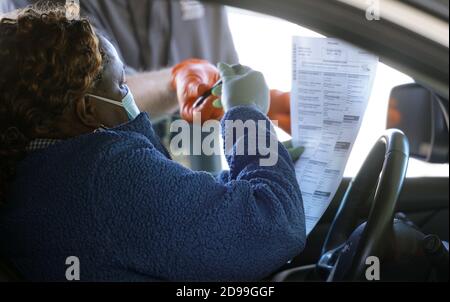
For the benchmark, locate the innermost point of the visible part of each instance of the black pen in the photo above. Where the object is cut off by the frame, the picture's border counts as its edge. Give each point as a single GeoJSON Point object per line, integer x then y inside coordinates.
{"type": "Point", "coordinates": [206, 95]}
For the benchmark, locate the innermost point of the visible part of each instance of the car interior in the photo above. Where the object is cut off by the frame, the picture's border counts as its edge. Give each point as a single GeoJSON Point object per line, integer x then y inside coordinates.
{"type": "Point", "coordinates": [381, 210]}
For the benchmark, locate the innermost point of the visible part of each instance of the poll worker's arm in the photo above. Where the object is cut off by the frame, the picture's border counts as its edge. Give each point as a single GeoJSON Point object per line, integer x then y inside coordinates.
{"type": "Point", "coordinates": [163, 92]}
{"type": "Point", "coordinates": [153, 92]}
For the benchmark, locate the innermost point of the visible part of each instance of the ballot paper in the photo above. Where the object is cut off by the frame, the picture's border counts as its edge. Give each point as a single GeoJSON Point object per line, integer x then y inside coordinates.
{"type": "Point", "coordinates": [332, 83]}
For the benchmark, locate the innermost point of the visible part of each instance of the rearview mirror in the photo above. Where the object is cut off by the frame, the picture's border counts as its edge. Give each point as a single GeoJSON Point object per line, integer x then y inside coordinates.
{"type": "Point", "coordinates": [423, 117]}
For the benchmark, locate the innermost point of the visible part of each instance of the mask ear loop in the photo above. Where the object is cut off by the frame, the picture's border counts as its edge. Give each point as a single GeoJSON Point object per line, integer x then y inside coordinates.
{"type": "Point", "coordinates": [102, 126]}
{"type": "Point", "coordinates": [106, 100]}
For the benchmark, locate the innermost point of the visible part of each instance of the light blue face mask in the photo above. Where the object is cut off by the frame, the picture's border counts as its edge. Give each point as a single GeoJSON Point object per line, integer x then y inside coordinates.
{"type": "Point", "coordinates": [127, 103]}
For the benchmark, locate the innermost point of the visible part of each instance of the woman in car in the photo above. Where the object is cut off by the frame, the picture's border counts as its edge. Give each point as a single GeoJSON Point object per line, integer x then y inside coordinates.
{"type": "Point", "coordinates": [83, 175]}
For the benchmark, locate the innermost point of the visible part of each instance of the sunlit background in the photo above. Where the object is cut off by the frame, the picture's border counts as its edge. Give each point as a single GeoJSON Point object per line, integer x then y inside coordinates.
{"type": "Point", "coordinates": [265, 43]}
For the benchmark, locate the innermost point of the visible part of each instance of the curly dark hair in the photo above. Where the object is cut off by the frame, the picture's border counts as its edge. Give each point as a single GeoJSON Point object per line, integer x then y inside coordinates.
{"type": "Point", "coordinates": [46, 63]}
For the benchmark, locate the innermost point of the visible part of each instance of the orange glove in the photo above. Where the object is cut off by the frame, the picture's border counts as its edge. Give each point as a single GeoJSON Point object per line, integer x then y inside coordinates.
{"type": "Point", "coordinates": [280, 109]}
{"type": "Point", "coordinates": [191, 79]}
{"type": "Point", "coordinates": [394, 115]}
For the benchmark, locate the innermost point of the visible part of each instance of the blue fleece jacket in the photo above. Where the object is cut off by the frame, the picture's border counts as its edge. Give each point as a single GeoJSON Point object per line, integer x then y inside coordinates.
{"type": "Point", "coordinates": [116, 200]}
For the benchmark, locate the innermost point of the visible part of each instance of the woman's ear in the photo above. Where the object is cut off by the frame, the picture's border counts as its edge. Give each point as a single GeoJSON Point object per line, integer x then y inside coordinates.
{"type": "Point", "coordinates": [85, 110]}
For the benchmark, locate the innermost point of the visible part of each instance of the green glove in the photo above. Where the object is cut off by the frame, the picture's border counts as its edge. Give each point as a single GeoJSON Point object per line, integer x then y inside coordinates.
{"type": "Point", "coordinates": [241, 86]}
{"type": "Point", "coordinates": [294, 152]}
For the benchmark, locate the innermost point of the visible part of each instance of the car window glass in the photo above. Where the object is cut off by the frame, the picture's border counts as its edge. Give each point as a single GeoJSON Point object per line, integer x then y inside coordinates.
{"type": "Point", "coordinates": [268, 49]}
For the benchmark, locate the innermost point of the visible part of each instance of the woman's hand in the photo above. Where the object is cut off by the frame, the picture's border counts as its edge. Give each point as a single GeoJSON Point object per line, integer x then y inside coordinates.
{"type": "Point", "coordinates": [242, 86]}
{"type": "Point", "coordinates": [191, 79]}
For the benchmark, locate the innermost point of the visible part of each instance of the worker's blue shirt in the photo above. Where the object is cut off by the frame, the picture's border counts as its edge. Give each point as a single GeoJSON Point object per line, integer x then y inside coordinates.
{"type": "Point", "coordinates": [115, 200]}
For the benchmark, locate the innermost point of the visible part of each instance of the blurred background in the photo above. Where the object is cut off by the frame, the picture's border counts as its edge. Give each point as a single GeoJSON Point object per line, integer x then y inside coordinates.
{"type": "Point", "coordinates": [265, 43]}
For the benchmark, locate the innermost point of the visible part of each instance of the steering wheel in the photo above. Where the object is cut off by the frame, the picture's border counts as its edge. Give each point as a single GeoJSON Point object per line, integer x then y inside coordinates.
{"type": "Point", "coordinates": [345, 250]}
